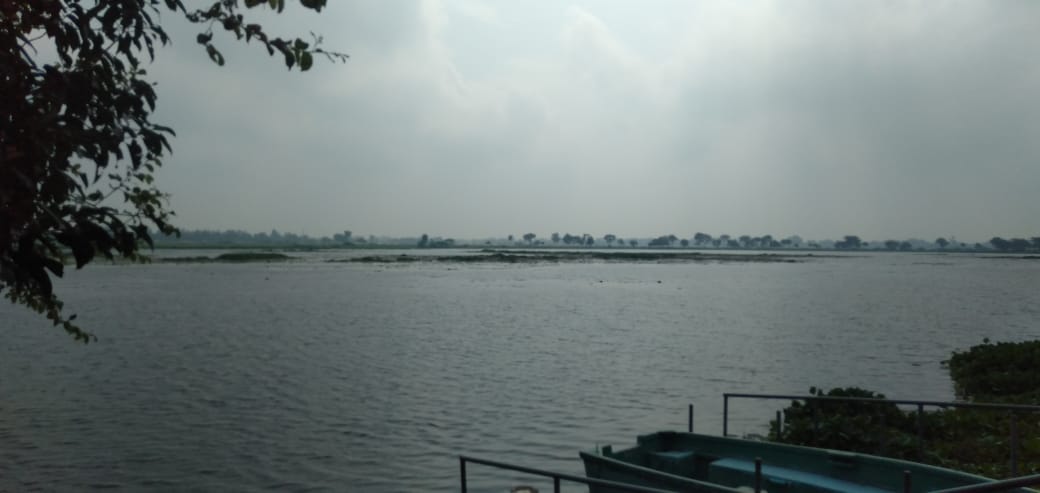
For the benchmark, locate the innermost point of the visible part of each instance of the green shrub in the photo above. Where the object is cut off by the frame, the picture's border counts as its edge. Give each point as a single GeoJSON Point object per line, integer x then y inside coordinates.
{"type": "Point", "coordinates": [971, 440]}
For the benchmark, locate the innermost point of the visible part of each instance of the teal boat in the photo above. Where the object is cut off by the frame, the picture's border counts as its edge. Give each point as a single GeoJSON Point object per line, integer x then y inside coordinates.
{"type": "Point", "coordinates": [704, 463]}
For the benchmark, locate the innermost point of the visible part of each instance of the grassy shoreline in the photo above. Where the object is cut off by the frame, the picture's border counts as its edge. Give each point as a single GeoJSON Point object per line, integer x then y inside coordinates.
{"type": "Point", "coordinates": [516, 257]}
{"type": "Point", "coordinates": [530, 256]}
{"type": "Point", "coordinates": [236, 257]}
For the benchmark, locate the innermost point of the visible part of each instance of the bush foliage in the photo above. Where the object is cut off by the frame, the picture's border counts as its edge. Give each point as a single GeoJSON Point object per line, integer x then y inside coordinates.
{"type": "Point", "coordinates": [971, 440]}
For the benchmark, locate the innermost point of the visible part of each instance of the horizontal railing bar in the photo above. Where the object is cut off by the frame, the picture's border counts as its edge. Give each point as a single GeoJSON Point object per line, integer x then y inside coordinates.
{"type": "Point", "coordinates": [975, 405]}
{"type": "Point", "coordinates": [1002, 485]}
{"type": "Point", "coordinates": [568, 477]}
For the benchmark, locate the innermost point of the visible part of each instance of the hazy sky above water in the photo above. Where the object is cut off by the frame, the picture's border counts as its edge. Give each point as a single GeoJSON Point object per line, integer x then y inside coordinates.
{"type": "Point", "coordinates": [473, 119]}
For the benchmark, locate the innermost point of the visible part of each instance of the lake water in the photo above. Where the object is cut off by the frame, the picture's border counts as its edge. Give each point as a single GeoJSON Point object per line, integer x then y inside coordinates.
{"type": "Point", "coordinates": [315, 376]}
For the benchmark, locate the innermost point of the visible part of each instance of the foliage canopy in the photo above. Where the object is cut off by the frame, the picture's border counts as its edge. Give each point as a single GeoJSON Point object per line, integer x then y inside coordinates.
{"type": "Point", "coordinates": [78, 148]}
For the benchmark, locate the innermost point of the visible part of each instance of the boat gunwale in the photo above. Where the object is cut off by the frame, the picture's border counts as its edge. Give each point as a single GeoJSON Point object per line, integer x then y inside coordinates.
{"type": "Point", "coordinates": [644, 442]}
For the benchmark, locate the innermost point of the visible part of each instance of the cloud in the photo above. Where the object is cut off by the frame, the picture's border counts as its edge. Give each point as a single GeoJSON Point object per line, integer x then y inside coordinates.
{"type": "Point", "coordinates": [475, 119]}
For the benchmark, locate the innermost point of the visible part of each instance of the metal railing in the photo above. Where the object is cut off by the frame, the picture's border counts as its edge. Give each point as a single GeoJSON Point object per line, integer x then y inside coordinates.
{"type": "Point", "coordinates": [1002, 485]}
{"type": "Point", "coordinates": [556, 476]}
{"type": "Point", "coordinates": [1012, 409]}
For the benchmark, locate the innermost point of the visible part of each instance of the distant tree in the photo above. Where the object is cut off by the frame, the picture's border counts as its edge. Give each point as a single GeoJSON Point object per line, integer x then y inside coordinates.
{"type": "Point", "coordinates": [609, 238]}
{"type": "Point", "coordinates": [660, 241]}
{"type": "Point", "coordinates": [510, 238]}
{"type": "Point", "coordinates": [701, 238]}
{"type": "Point", "coordinates": [942, 242]}
{"type": "Point", "coordinates": [1000, 243]}
{"type": "Point", "coordinates": [767, 241]}
{"type": "Point", "coordinates": [684, 242]}
{"type": "Point", "coordinates": [441, 243]}
{"type": "Point", "coordinates": [589, 240]}
{"type": "Point", "coordinates": [906, 246]}
{"type": "Point", "coordinates": [892, 245]}
{"type": "Point", "coordinates": [1036, 242]}
{"type": "Point", "coordinates": [529, 237]}
{"type": "Point", "coordinates": [1019, 244]}
{"type": "Point", "coordinates": [716, 242]}
{"type": "Point", "coordinates": [424, 241]}
{"type": "Point", "coordinates": [731, 243]}
{"type": "Point", "coordinates": [745, 241]}
{"type": "Point", "coordinates": [343, 237]}
{"type": "Point", "coordinates": [555, 238]}
{"type": "Point", "coordinates": [633, 243]}
{"type": "Point", "coordinates": [850, 242]}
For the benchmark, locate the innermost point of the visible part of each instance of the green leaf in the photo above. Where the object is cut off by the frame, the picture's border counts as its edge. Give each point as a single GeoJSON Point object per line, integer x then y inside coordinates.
{"type": "Point", "coordinates": [215, 55]}
{"type": "Point", "coordinates": [82, 251]}
{"type": "Point", "coordinates": [306, 60]}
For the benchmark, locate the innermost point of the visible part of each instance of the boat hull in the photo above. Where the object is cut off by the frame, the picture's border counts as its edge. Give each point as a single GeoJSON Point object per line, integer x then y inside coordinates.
{"type": "Point", "coordinates": [711, 464]}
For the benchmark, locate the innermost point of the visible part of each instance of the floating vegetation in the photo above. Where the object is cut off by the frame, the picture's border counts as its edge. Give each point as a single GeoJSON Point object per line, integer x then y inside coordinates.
{"type": "Point", "coordinates": [530, 256]}
{"type": "Point", "coordinates": [234, 257]}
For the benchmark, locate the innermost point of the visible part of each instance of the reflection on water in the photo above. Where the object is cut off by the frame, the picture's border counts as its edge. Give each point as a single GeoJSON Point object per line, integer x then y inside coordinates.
{"type": "Point", "coordinates": [312, 376]}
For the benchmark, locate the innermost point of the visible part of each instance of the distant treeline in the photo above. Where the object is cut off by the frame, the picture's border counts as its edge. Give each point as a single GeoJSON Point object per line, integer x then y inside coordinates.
{"type": "Point", "coordinates": [768, 242]}
{"type": "Point", "coordinates": [274, 238]}
{"type": "Point", "coordinates": [235, 237]}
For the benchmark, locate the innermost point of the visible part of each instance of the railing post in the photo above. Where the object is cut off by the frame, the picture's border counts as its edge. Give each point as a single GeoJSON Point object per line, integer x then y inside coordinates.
{"type": "Point", "coordinates": [815, 423]}
{"type": "Point", "coordinates": [462, 472]}
{"type": "Point", "coordinates": [884, 433]}
{"type": "Point", "coordinates": [779, 427]}
{"type": "Point", "coordinates": [725, 415]}
{"type": "Point", "coordinates": [758, 475]}
{"type": "Point", "coordinates": [556, 484]}
{"type": "Point", "coordinates": [920, 432]}
{"type": "Point", "coordinates": [906, 482]}
{"type": "Point", "coordinates": [1014, 445]}
{"type": "Point", "coordinates": [689, 421]}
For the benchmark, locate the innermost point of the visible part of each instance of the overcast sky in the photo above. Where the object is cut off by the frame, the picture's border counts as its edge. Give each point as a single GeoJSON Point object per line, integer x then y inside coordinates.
{"type": "Point", "coordinates": [473, 119]}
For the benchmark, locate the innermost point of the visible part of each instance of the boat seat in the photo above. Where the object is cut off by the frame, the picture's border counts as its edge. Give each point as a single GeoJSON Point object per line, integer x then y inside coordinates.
{"type": "Point", "coordinates": [687, 463]}
{"type": "Point", "coordinates": [738, 472]}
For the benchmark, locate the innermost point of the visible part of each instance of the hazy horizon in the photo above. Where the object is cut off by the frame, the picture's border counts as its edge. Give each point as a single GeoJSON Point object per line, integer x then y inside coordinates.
{"type": "Point", "coordinates": [474, 119]}
{"type": "Point", "coordinates": [545, 238]}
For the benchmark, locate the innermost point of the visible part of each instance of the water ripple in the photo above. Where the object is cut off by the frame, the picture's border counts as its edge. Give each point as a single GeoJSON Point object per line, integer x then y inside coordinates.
{"type": "Point", "coordinates": [332, 377]}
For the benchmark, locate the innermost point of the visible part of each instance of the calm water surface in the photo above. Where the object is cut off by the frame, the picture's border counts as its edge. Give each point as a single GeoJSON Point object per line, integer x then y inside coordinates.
{"type": "Point", "coordinates": [311, 376]}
